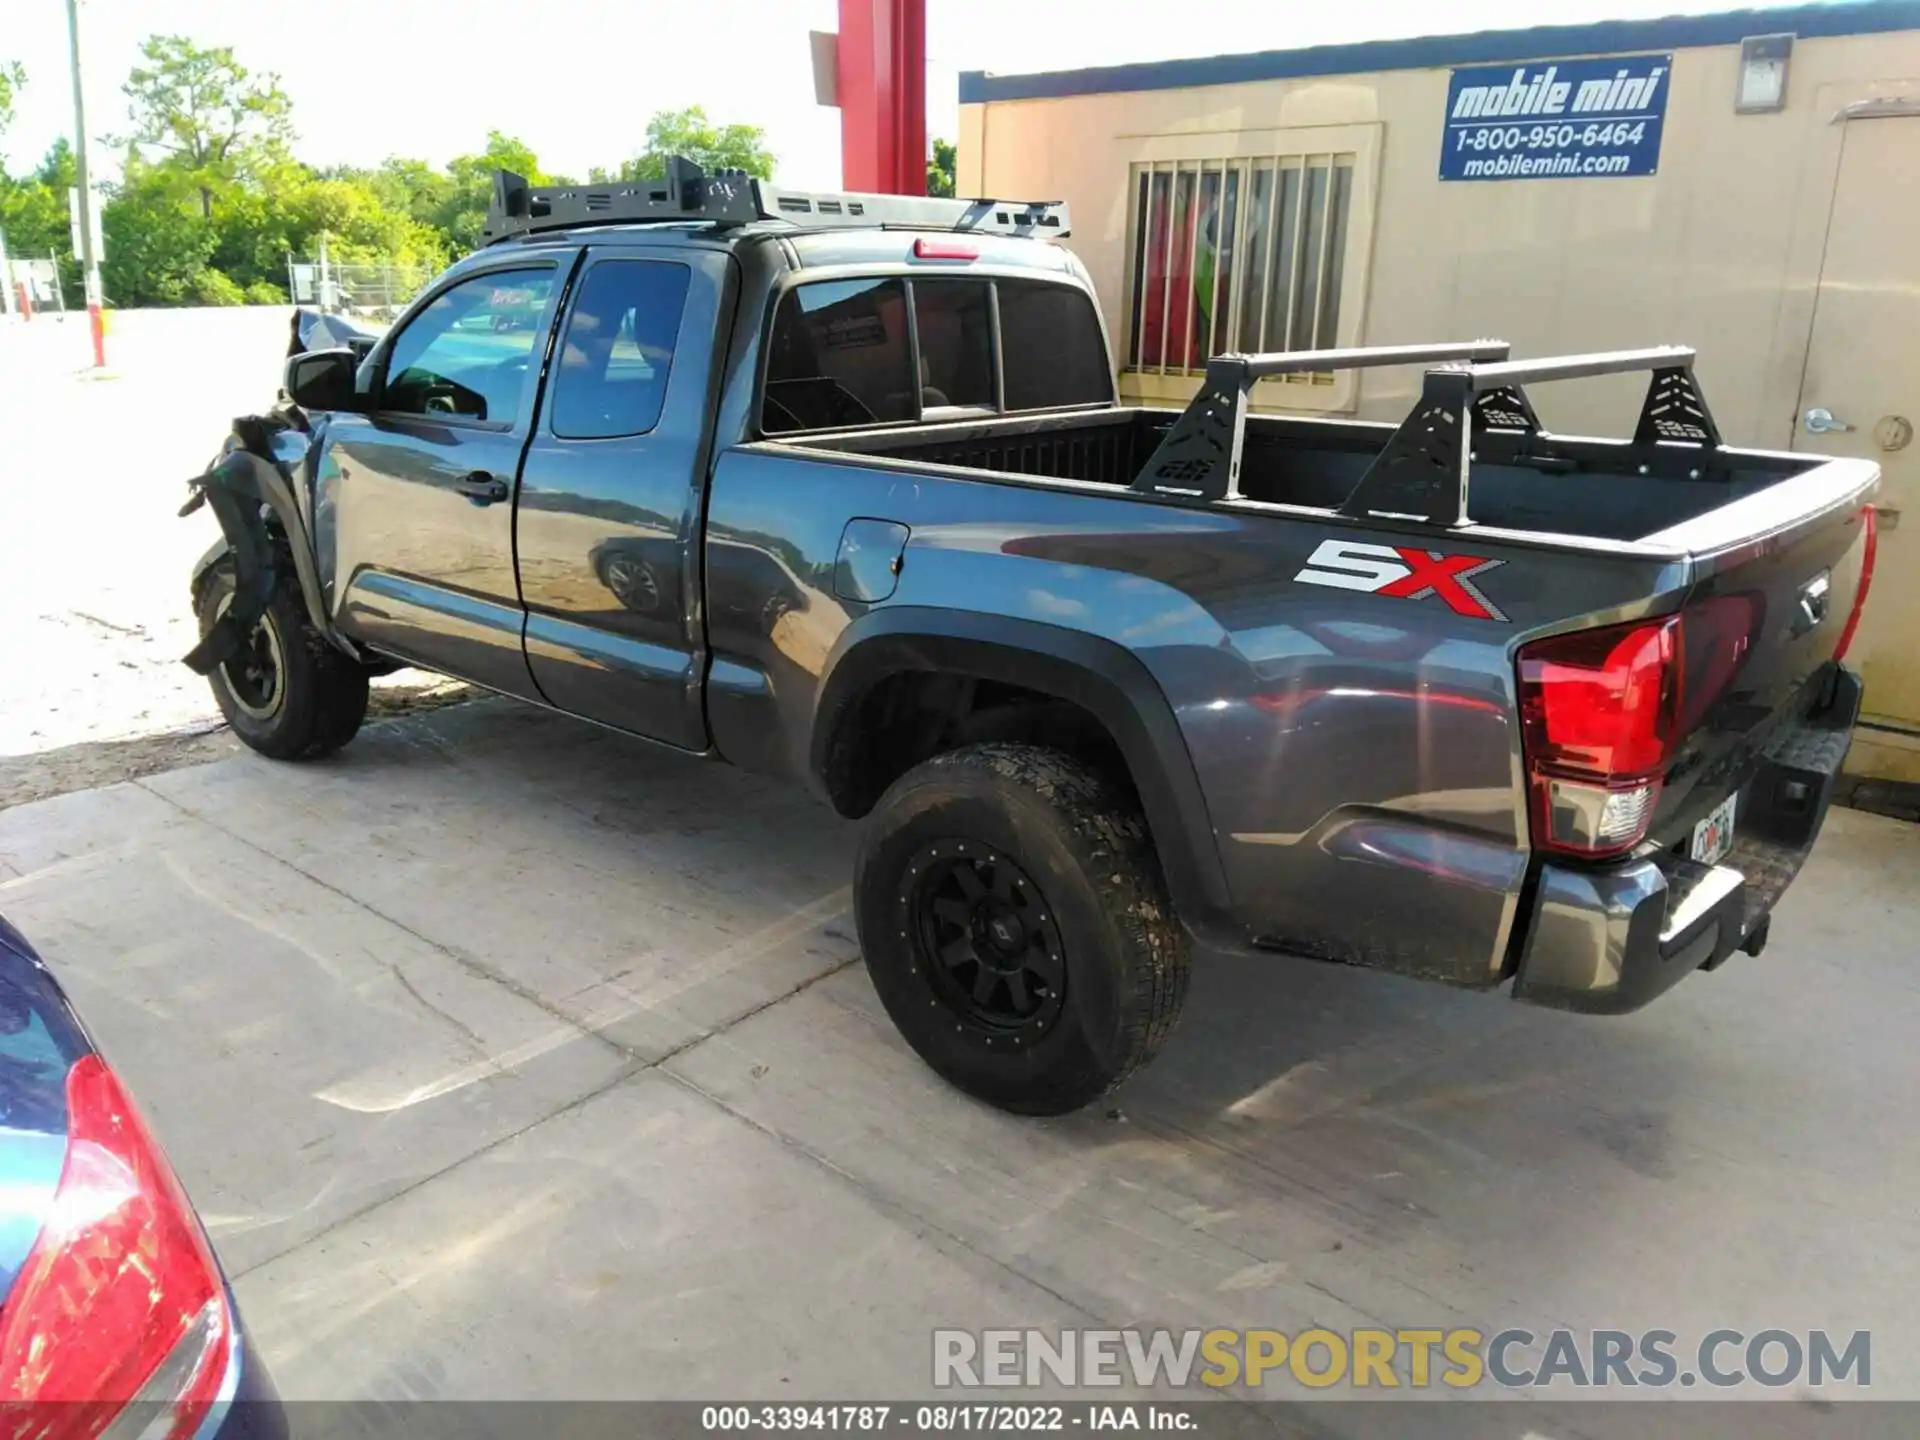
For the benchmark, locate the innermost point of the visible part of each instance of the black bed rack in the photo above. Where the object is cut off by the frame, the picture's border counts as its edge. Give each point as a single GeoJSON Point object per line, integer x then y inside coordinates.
{"type": "Point", "coordinates": [1475, 395]}
{"type": "Point", "coordinates": [732, 197]}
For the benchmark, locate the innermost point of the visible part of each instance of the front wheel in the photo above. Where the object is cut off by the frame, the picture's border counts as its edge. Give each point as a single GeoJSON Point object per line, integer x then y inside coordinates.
{"type": "Point", "coordinates": [1017, 928]}
{"type": "Point", "coordinates": [287, 693]}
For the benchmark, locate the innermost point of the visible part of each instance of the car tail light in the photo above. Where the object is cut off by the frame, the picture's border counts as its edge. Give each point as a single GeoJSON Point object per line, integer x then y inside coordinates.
{"type": "Point", "coordinates": [1600, 712]}
{"type": "Point", "coordinates": [1870, 518]}
{"type": "Point", "coordinates": [120, 1304]}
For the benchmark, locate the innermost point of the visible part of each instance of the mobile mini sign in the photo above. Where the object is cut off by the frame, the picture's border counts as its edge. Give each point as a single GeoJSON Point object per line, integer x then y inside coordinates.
{"type": "Point", "coordinates": [1556, 119]}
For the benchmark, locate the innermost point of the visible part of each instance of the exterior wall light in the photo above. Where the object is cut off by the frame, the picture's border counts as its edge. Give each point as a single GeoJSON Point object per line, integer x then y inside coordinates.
{"type": "Point", "coordinates": [1763, 74]}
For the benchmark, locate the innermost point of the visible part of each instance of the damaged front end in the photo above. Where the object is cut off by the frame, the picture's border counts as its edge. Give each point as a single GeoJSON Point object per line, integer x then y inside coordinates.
{"type": "Point", "coordinates": [254, 491]}
{"type": "Point", "coordinates": [263, 533]}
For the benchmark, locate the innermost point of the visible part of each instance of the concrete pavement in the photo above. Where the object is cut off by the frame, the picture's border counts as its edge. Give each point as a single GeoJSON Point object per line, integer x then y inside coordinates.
{"type": "Point", "coordinates": [509, 1058]}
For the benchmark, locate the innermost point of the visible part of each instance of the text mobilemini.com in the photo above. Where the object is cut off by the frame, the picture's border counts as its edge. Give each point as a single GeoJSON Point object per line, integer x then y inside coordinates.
{"type": "Point", "coordinates": [1378, 1359]}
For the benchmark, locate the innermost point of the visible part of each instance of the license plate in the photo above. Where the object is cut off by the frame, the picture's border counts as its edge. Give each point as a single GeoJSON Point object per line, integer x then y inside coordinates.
{"type": "Point", "coordinates": [1713, 836]}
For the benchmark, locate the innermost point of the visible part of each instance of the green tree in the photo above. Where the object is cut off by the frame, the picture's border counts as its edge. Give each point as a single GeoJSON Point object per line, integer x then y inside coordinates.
{"type": "Point", "coordinates": [408, 187]}
{"type": "Point", "coordinates": [712, 147]}
{"type": "Point", "coordinates": [210, 287]}
{"type": "Point", "coordinates": [941, 167]}
{"type": "Point", "coordinates": [33, 213]}
{"type": "Point", "coordinates": [34, 216]}
{"type": "Point", "coordinates": [12, 77]}
{"type": "Point", "coordinates": [158, 242]}
{"type": "Point", "coordinates": [205, 114]}
{"type": "Point", "coordinates": [57, 167]}
{"type": "Point", "coordinates": [462, 211]}
{"type": "Point", "coordinates": [259, 226]}
{"type": "Point", "coordinates": [212, 202]}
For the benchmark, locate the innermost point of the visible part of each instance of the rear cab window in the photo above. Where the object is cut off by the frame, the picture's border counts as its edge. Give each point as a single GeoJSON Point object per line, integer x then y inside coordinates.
{"type": "Point", "coordinates": [953, 320]}
{"type": "Point", "coordinates": [839, 356]}
{"type": "Point", "coordinates": [1052, 347]}
{"type": "Point", "coordinates": [890, 350]}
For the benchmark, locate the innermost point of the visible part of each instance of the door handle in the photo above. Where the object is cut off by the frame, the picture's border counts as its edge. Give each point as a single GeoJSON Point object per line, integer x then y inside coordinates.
{"type": "Point", "coordinates": [1820, 421]}
{"type": "Point", "coordinates": [482, 488]}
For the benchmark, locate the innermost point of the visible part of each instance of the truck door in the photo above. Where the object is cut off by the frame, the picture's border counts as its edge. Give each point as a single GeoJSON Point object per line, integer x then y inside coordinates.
{"type": "Point", "coordinates": [1860, 396]}
{"type": "Point", "coordinates": [609, 508]}
{"type": "Point", "coordinates": [423, 510]}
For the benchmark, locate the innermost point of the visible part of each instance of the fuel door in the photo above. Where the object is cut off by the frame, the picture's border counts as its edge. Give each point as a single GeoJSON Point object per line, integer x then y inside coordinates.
{"type": "Point", "coordinates": [867, 567]}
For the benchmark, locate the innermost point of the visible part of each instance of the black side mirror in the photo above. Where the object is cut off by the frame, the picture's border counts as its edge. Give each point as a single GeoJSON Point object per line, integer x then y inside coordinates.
{"type": "Point", "coordinates": [323, 380]}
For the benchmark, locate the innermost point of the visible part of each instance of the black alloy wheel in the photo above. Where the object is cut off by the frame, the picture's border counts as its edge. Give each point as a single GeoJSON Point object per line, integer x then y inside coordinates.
{"type": "Point", "coordinates": [981, 928]}
{"type": "Point", "coordinates": [1016, 925]}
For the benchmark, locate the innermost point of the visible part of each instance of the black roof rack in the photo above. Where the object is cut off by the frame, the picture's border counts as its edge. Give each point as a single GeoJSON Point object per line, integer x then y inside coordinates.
{"type": "Point", "coordinates": [732, 197]}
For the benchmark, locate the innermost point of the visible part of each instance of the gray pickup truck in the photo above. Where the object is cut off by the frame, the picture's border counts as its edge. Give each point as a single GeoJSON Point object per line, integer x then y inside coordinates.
{"type": "Point", "coordinates": [836, 487]}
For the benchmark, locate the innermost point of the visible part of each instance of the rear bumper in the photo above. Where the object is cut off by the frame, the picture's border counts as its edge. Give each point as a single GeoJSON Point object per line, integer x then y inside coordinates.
{"type": "Point", "coordinates": [1607, 939]}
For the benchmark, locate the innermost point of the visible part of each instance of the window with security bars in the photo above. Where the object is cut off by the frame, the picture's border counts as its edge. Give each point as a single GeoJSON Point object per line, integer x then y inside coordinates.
{"type": "Point", "coordinates": [1242, 254]}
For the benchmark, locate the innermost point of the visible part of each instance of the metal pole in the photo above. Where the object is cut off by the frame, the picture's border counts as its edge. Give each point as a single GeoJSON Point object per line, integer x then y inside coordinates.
{"type": "Point", "coordinates": [90, 263]}
{"type": "Point", "coordinates": [6, 278]}
{"type": "Point", "coordinates": [881, 78]}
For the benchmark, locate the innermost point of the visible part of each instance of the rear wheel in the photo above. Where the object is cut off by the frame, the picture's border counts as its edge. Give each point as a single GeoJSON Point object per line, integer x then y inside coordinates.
{"type": "Point", "coordinates": [1017, 928]}
{"type": "Point", "coordinates": [287, 693]}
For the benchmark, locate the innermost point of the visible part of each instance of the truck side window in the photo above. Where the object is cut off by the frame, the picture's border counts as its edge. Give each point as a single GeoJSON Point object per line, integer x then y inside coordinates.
{"type": "Point", "coordinates": [466, 353]}
{"type": "Point", "coordinates": [611, 375]}
{"type": "Point", "coordinates": [1051, 347]}
{"type": "Point", "coordinates": [956, 342]}
{"type": "Point", "coordinates": [838, 356]}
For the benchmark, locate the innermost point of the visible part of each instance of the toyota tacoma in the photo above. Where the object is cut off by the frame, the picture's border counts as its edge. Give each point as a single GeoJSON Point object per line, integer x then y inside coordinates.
{"type": "Point", "coordinates": [838, 488]}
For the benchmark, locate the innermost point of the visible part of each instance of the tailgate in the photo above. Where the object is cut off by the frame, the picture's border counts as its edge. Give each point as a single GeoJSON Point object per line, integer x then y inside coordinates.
{"type": "Point", "coordinates": [1778, 577]}
{"type": "Point", "coordinates": [1749, 722]}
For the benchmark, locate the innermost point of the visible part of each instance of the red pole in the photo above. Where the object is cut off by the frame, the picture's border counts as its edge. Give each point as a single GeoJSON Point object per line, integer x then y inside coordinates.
{"type": "Point", "coordinates": [910, 98]}
{"type": "Point", "coordinates": [882, 63]}
{"type": "Point", "coordinates": [98, 327]}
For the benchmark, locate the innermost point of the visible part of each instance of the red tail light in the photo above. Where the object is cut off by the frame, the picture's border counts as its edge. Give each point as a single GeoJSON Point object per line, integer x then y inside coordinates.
{"type": "Point", "coordinates": [1600, 712]}
{"type": "Point", "coordinates": [120, 1299]}
{"type": "Point", "coordinates": [1870, 518]}
{"type": "Point", "coordinates": [929, 249]}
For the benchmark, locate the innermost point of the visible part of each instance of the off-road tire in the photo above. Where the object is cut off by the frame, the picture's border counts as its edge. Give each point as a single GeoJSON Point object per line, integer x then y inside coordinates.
{"type": "Point", "coordinates": [1104, 922]}
{"type": "Point", "coordinates": [320, 696]}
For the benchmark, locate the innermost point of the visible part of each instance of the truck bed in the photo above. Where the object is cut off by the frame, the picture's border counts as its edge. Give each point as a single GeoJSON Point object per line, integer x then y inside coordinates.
{"type": "Point", "coordinates": [1577, 487]}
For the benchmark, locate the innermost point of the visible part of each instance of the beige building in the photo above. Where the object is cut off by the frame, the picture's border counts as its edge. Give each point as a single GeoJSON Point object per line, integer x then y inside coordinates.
{"type": "Point", "coordinates": [1746, 183]}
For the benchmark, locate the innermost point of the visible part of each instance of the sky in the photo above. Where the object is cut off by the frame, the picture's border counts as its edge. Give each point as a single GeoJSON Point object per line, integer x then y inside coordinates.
{"type": "Point", "coordinates": [577, 79]}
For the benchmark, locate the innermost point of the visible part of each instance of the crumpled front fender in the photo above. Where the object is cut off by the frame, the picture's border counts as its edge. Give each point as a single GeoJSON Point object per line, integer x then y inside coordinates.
{"type": "Point", "coordinates": [253, 498]}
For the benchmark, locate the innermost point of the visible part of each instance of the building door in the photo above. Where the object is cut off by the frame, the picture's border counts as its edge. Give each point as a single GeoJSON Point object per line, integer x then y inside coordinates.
{"type": "Point", "coordinates": [1863, 372]}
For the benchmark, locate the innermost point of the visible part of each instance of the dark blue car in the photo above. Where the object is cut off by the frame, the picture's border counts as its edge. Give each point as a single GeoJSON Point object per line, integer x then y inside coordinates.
{"type": "Point", "coordinates": [116, 1318]}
